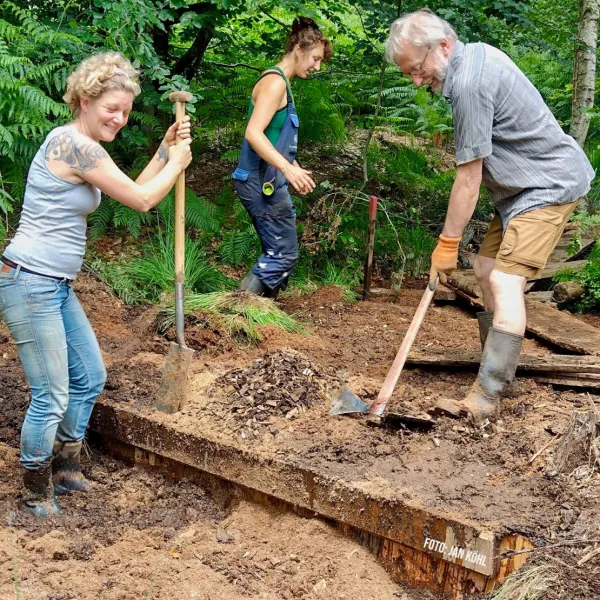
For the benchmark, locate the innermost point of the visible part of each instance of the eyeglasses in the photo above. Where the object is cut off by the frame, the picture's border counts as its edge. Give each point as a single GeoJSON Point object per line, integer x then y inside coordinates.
{"type": "Point", "coordinates": [418, 70]}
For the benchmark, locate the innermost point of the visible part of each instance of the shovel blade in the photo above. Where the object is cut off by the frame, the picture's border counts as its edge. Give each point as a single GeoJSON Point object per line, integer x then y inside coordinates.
{"type": "Point", "coordinates": [347, 402]}
{"type": "Point", "coordinates": [172, 393]}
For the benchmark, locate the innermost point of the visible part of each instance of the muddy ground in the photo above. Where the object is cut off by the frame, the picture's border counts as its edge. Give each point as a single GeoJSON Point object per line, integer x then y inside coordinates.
{"type": "Point", "coordinates": [138, 536]}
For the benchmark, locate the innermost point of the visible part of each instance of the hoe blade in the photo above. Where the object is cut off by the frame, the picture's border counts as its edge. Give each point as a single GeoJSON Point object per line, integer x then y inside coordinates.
{"type": "Point", "coordinates": [346, 402]}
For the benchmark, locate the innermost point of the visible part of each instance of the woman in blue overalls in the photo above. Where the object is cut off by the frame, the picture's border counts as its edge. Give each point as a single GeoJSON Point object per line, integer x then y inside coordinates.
{"type": "Point", "coordinates": [267, 163]}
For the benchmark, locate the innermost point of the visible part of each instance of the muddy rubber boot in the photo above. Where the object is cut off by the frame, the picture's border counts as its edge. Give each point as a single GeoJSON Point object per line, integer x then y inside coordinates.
{"type": "Point", "coordinates": [39, 498]}
{"type": "Point", "coordinates": [485, 320]}
{"type": "Point", "coordinates": [251, 283]}
{"type": "Point", "coordinates": [496, 373]}
{"type": "Point", "coordinates": [66, 470]}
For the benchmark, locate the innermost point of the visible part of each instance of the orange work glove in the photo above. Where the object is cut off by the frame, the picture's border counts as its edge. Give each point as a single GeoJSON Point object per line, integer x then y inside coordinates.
{"type": "Point", "coordinates": [444, 258]}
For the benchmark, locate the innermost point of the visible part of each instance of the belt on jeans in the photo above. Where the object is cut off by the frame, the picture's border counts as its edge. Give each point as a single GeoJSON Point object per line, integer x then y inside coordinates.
{"type": "Point", "coordinates": [14, 265]}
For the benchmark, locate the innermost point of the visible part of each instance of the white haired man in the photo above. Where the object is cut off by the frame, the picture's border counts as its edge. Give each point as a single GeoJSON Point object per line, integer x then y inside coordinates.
{"type": "Point", "coordinates": [507, 138]}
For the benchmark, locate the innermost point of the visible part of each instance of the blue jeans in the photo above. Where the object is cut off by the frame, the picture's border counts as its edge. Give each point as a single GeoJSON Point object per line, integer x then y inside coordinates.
{"type": "Point", "coordinates": [61, 358]}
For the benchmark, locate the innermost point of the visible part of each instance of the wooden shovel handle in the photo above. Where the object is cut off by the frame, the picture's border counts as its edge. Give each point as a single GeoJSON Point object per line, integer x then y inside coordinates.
{"type": "Point", "coordinates": [180, 99]}
{"type": "Point", "coordinates": [393, 375]}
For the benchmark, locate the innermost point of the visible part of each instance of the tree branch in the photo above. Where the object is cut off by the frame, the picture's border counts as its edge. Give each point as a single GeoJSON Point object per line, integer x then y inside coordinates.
{"type": "Point", "coordinates": [234, 66]}
{"type": "Point", "coordinates": [262, 10]}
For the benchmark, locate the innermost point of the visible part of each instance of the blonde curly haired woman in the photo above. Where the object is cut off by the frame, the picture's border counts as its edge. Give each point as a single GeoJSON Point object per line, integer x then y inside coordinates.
{"type": "Point", "coordinates": [57, 346]}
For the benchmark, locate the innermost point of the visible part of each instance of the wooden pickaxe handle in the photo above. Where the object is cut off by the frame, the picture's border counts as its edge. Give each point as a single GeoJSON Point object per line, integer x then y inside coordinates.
{"type": "Point", "coordinates": [393, 375]}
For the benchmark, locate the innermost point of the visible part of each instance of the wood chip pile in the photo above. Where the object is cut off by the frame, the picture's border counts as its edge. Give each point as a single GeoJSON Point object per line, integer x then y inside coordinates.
{"type": "Point", "coordinates": [281, 384]}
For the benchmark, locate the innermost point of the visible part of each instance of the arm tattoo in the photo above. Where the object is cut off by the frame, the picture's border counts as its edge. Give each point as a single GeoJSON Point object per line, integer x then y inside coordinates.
{"type": "Point", "coordinates": [162, 153]}
{"type": "Point", "coordinates": [80, 156]}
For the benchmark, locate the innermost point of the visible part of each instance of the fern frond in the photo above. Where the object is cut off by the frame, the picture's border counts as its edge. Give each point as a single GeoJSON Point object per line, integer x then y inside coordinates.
{"type": "Point", "coordinates": [239, 246]}
{"type": "Point", "coordinates": [100, 219]}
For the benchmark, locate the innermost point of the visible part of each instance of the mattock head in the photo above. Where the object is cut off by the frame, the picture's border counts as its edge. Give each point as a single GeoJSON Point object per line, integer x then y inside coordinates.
{"type": "Point", "coordinates": [180, 97]}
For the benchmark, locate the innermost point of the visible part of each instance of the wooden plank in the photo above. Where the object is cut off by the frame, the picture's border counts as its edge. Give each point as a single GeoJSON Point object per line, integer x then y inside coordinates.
{"type": "Point", "coordinates": [544, 321]}
{"type": "Point", "coordinates": [579, 383]}
{"type": "Point", "coordinates": [567, 374]}
{"type": "Point", "coordinates": [552, 269]}
{"type": "Point", "coordinates": [553, 364]}
{"type": "Point", "coordinates": [385, 513]}
{"type": "Point", "coordinates": [444, 294]}
{"type": "Point", "coordinates": [413, 566]}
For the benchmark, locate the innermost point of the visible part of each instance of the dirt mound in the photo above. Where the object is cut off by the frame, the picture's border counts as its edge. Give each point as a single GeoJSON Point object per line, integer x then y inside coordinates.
{"type": "Point", "coordinates": [280, 384]}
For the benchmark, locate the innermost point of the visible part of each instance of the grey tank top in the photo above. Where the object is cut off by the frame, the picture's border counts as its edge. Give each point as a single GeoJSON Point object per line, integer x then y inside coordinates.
{"type": "Point", "coordinates": [51, 236]}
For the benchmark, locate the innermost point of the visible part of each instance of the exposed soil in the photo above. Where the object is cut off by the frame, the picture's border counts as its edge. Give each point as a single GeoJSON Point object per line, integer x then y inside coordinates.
{"type": "Point", "coordinates": [484, 476]}
{"type": "Point", "coordinates": [138, 536]}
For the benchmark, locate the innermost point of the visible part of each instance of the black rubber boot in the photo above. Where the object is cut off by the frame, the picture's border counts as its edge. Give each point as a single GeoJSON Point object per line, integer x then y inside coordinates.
{"type": "Point", "coordinates": [496, 373]}
{"type": "Point", "coordinates": [485, 320]}
{"type": "Point", "coordinates": [39, 498]}
{"type": "Point", "coordinates": [251, 283]}
{"type": "Point", "coordinates": [66, 469]}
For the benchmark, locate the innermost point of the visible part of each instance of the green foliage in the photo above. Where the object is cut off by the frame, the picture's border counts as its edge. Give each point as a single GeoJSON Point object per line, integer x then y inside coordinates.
{"type": "Point", "coordinates": [144, 279]}
{"type": "Point", "coordinates": [320, 117]}
{"type": "Point", "coordinates": [241, 244]}
{"type": "Point", "coordinates": [216, 50]}
{"type": "Point", "coordinates": [33, 69]}
{"type": "Point", "coordinates": [240, 314]}
{"type": "Point", "coordinates": [115, 276]}
{"type": "Point", "coordinates": [346, 278]}
{"type": "Point", "coordinates": [586, 224]}
{"type": "Point", "coordinates": [199, 214]}
{"type": "Point", "coordinates": [553, 79]}
{"type": "Point", "coordinates": [589, 277]}
{"type": "Point", "coordinates": [594, 193]}
{"type": "Point", "coordinates": [419, 244]}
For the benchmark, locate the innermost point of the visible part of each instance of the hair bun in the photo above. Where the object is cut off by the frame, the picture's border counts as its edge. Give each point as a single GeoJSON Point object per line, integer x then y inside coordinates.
{"type": "Point", "coordinates": [301, 23]}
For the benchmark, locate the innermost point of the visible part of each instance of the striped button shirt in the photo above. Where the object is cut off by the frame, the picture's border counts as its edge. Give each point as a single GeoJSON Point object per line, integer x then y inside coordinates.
{"type": "Point", "coordinates": [528, 160]}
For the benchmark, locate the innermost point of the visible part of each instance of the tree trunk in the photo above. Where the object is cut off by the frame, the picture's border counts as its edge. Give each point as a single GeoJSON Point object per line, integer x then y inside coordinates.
{"type": "Point", "coordinates": [584, 73]}
{"type": "Point", "coordinates": [188, 64]}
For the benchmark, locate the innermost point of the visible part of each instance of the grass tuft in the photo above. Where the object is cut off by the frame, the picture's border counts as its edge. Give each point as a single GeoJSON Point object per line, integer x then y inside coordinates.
{"type": "Point", "coordinates": [343, 278]}
{"type": "Point", "coordinates": [527, 583]}
{"type": "Point", "coordinates": [240, 314]}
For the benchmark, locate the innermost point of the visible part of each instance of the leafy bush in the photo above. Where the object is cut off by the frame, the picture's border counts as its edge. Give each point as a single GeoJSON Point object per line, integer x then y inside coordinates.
{"type": "Point", "coordinates": [241, 244]}
{"type": "Point", "coordinates": [589, 277]}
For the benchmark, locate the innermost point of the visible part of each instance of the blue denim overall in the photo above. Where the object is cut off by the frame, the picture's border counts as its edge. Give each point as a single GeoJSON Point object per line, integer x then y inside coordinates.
{"type": "Point", "coordinates": [274, 215]}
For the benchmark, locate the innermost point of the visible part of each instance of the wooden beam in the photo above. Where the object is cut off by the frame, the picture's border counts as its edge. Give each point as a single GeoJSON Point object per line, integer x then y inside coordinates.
{"type": "Point", "coordinates": [553, 268]}
{"type": "Point", "coordinates": [444, 294]}
{"type": "Point", "coordinates": [580, 383]}
{"type": "Point", "coordinates": [553, 364]}
{"type": "Point", "coordinates": [580, 372]}
{"type": "Point", "coordinates": [544, 321]}
{"type": "Point", "coordinates": [416, 567]}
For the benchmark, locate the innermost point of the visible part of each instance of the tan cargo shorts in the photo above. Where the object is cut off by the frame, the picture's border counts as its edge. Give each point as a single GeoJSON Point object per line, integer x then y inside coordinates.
{"type": "Point", "coordinates": [528, 241]}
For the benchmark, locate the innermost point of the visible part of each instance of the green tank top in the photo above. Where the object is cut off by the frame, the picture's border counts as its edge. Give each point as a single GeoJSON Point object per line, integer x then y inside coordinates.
{"type": "Point", "coordinates": [273, 130]}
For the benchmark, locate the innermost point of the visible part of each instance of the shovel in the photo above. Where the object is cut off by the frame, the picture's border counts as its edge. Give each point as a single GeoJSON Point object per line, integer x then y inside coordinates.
{"type": "Point", "coordinates": [173, 388]}
{"type": "Point", "coordinates": [347, 402]}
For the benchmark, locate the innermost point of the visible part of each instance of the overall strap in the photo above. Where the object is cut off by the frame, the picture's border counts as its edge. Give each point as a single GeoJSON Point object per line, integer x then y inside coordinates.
{"type": "Point", "coordinates": [287, 83]}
